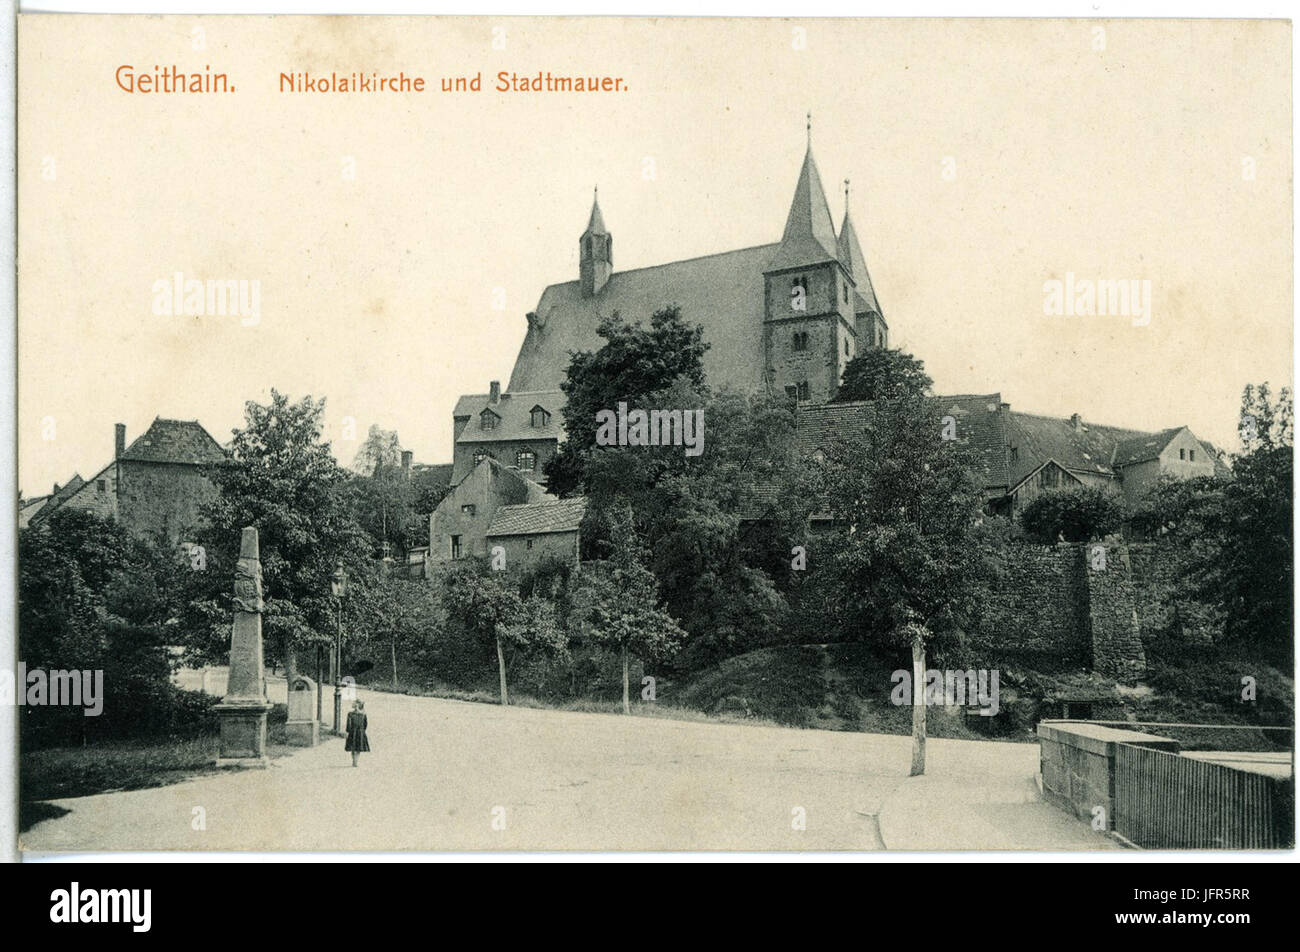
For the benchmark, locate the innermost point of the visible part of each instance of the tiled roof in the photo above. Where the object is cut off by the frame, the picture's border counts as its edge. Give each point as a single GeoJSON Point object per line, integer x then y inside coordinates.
{"type": "Point", "coordinates": [722, 292]}
{"type": "Point", "coordinates": [436, 474]}
{"type": "Point", "coordinates": [1087, 448]}
{"type": "Point", "coordinates": [515, 487]}
{"type": "Point", "coordinates": [1139, 449]}
{"type": "Point", "coordinates": [539, 518]}
{"type": "Point", "coordinates": [175, 441]}
{"type": "Point", "coordinates": [515, 412]}
{"type": "Point", "coordinates": [55, 500]}
{"type": "Point", "coordinates": [980, 427]}
{"type": "Point", "coordinates": [855, 263]}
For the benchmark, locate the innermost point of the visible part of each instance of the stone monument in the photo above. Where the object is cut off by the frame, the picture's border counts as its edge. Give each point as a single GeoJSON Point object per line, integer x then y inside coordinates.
{"type": "Point", "coordinates": [303, 729]}
{"type": "Point", "coordinates": [242, 712]}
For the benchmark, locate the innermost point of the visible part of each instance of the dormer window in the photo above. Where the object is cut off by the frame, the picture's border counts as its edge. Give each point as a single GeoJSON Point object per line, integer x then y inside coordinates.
{"type": "Point", "coordinates": [488, 420]}
{"type": "Point", "coordinates": [540, 417]}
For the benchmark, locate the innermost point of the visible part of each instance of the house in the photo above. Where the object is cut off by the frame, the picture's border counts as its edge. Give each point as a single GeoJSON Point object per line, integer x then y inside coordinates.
{"type": "Point", "coordinates": [520, 430]}
{"type": "Point", "coordinates": [1046, 453]}
{"type": "Point", "coordinates": [458, 528]}
{"type": "Point", "coordinates": [532, 532]}
{"type": "Point", "coordinates": [157, 486]}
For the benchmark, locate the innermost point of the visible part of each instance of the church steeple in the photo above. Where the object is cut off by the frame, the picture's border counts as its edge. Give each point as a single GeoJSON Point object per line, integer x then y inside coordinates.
{"type": "Point", "coordinates": [595, 252]}
{"type": "Point", "coordinates": [850, 255]}
{"type": "Point", "coordinates": [809, 236]}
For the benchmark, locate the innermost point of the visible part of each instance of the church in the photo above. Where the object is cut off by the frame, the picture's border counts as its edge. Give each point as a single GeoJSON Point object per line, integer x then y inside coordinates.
{"type": "Point", "coordinates": [785, 319]}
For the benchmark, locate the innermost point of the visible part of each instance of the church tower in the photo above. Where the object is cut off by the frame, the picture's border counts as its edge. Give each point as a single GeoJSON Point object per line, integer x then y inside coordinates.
{"type": "Point", "coordinates": [809, 333]}
{"type": "Point", "coordinates": [869, 320]}
{"type": "Point", "coordinates": [595, 253]}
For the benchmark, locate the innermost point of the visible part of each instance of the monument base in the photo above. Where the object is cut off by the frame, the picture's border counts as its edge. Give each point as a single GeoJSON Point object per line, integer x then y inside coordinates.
{"type": "Point", "coordinates": [302, 733]}
{"type": "Point", "coordinates": [243, 732]}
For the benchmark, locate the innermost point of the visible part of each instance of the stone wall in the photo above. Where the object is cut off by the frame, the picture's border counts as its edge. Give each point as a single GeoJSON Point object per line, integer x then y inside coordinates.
{"type": "Point", "coordinates": [1078, 606]}
{"type": "Point", "coordinates": [166, 498]}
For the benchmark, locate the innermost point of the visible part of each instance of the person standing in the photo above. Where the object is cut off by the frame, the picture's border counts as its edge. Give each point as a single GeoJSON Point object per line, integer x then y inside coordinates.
{"type": "Point", "coordinates": [357, 741]}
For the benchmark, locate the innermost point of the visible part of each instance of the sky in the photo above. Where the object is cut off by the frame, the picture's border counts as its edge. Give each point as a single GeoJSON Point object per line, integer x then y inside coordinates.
{"type": "Point", "coordinates": [398, 240]}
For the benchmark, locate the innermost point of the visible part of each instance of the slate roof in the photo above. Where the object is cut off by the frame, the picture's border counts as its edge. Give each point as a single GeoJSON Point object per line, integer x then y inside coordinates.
{"type": "Point", "coordinates": [539, 518]}
{"type": "Point", "coordinates": [1139, 449]}
{"type": "Point", "coordinates": [722, 292]}
{"type": "Point", "coordinates": [174, 441]}
{"type": "Point", "coordinates": [850, 253]}
{"type": "Point", "coordinates": [980, 427]}
{"type": "Point", "coordinates": [809, 236]}
{"type": "Point", "coordinates": [436, 474]}
{"type": "Point", "coordinates": [515, 411]}
{"type": "Point", "coordinates": [56, 500]}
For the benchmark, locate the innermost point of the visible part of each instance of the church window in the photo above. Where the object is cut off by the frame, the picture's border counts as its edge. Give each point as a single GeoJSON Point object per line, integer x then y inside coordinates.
{"type": "Point", "coordinates": [846, 348]}
{"type": "Point", "coordinates": [800, 340]}
{"type": "Point", "coordinates": [455, 547]}
{"type": "Point", "coordinates": [526, 460]}
{"type": "Point", "coordinates": [1015, 453]}
{"type": "Point", "coordinates": [846, 292]}
{"type": "Point", "coordinates": [803, 390]}
{"type": "Point", "coordinates": [799, 293]}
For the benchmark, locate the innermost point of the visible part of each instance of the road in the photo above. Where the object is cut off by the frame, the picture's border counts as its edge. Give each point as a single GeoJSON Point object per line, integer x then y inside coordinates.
{"type": "Point", "coordinates": [456, 776]}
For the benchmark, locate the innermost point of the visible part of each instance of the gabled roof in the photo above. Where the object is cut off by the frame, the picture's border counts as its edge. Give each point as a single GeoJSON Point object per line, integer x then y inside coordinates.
{"type": "Point", "coordinates": [1086, 448]}
{"type": "Point", "coordinates": [174, 441]}
{"type": "Point", "coordinates": [722, 292]}
{"type": "Point", "coordinates": [809, 236]}
{"type": "Point", "coordinates": [539, 518]}
{"type": "Point", "coordinates": [515, 410]}
{"type": "Point", "coordinates": [55, 500]}
{"type": "Point", "coordinates": [1139, 449]}
{"type": "Point", "coordinates": [980, 429]}
{"type": "Point", "coordinates": [515, 488]}
{"type": "Point", "coordinates": [850, 254]}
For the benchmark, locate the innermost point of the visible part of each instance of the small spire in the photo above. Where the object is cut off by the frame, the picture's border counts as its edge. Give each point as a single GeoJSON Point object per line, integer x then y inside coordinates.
{"type": "Point", "coordinates": [810, 128]}
{"type": "Point", "coordinates": [846, 195]}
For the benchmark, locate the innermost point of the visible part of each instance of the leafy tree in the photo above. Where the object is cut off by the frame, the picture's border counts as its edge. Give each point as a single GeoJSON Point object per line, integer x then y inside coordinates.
{"type": "Point", "coordinates": [634, 362]}
{"type": "Point", "coordinates": [617, 603]}
{"type": "Point", "coordinates": [907, 556]}
{"type": "Point", "coordinates": [381, 449]}
{"type": "Point", "coordinates": [1075, 515]}
{"type": "Point", "coordinates": [281, 478]}
{"type": "Point", "coordinates": [488, 605]}
{"type": "Point", "coordinates": [1251, 576]}
{"type": "Point", "coordinates": [94, 597]}
{"type": "Point", "coordinates": [401, 615]}
{"type": "Point", "coordinates": [880, 374]}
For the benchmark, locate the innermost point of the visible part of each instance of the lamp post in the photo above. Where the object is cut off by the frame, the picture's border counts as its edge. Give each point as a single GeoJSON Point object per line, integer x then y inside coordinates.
{"type": "Point", "coordinates": [339, 585]}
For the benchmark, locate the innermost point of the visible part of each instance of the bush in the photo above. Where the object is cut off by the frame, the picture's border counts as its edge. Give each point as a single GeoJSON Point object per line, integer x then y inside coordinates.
{"type": "Point", "coordinates": [1075, 515]}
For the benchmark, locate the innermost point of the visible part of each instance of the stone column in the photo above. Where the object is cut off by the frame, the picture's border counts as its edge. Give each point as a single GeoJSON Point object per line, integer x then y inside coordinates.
{"type": "Point", "coordinates": [243, 710]}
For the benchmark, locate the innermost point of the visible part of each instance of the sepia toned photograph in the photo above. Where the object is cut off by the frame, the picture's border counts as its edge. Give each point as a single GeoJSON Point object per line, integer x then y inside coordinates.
{"type": "Point", "coordinates": [653, 435]}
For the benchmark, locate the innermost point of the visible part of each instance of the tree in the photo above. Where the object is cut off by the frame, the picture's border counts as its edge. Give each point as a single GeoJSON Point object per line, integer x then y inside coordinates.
{"type": "Point", "coordinates": [1075, 515]}
{"type": "Point", "coordinates": [281, 478]}
{"type": "Point", "coordinates": [905, 565]}
{"type": "Point", "coordinates": [487, 604]}
{"type": "Point", "coordinates": [94, 597]}
{"type": "Point", "coordinates": [1251, 576]}
{"type": "Point", "coordinates": [401, 613]}
{"type": "Point", "coordinates": [381, 449]}
{"type": "Point", "coordinates": [880, 374]}
{"type": "Point", "coordinates": [617, 603]}
{"type": "Point", "coordinates": [633, 362]}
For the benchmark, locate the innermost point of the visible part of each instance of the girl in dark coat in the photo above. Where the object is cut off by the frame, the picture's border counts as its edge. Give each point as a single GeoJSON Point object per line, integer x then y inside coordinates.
{"type": "Point", "coordinates": [357, 741]}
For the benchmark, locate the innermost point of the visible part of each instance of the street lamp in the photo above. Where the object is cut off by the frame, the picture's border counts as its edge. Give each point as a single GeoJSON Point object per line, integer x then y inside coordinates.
{"type": "Point", "coordinates": [339, 585]}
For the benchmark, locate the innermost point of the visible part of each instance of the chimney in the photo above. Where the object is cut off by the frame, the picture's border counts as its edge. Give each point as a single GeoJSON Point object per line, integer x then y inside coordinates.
{"type": "Point", "coordinates": [1076, 421]}
{"type": "Point", "coordinates": [119, 440]}
{"type": "Point", "coordinates": [406, 463]}
{"type": "Point", "coordinates": [56, 490]}
{"type": "Point", "coordinates": [494, 391]}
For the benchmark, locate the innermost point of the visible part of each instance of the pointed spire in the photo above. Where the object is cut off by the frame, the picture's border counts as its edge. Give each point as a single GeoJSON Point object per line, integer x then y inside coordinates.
{"type": "Point", "coordinates": [596, 223]}
{"type": "Point", "coordinates": [809, 236]}
{"type": "Point", "coordinates": [850, 255]}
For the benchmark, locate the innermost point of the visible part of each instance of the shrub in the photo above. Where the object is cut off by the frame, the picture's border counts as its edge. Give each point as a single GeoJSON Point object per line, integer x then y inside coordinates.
{"type": "Point", "coordinates": [1075, 515]}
